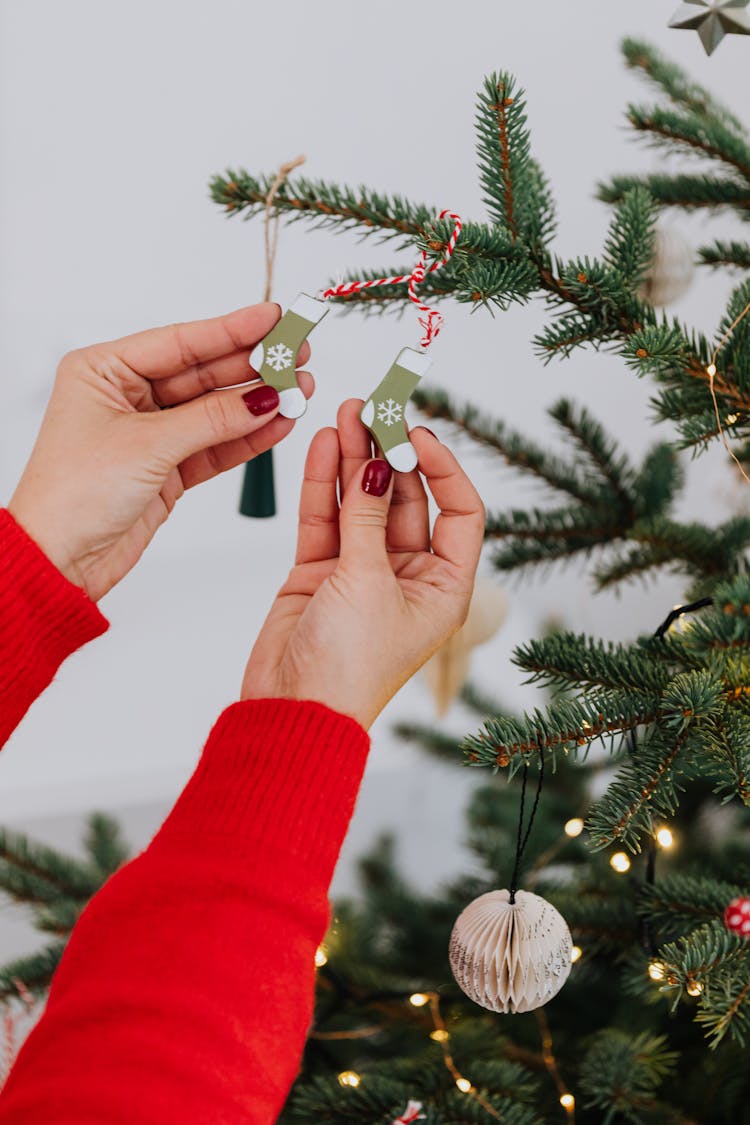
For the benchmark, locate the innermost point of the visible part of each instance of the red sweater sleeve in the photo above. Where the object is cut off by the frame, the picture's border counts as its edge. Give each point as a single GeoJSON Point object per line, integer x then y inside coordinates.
{"type": "Point", "coordinates": [186, 990]}
{"type": "Point", "coordinates": [43, 619]}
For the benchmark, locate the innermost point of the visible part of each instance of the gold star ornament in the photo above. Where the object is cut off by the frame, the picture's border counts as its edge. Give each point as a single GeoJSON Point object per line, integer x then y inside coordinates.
{"type": "Point", "coordinates": [713, 19]}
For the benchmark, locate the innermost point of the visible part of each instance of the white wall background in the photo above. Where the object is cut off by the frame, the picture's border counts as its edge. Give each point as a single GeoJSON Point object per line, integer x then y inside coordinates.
{"type": "Point", "coordinates": [112, 120]}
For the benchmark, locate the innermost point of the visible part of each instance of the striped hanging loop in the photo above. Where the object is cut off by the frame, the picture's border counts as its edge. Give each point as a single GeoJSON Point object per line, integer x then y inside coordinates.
{"type": "Point", "coordinates": [432, 320]}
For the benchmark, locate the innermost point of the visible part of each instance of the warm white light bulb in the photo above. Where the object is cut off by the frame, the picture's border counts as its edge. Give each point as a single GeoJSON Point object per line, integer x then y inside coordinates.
{"type": "Point", "coordinates": [574, 827]}
{"type": "Point", "coordinates": [620, 863]}
{"type": "Point", "coordinates": [463, 1084]}
{"type": "Point", "coordinates": [575, 953]}
{"type": "Point", "coordinates": [711, 369]}
{"type": "Point", "coordinates": [664, 838]}
{"type": "Point", "coordinates": [321, 957]}
{"type": "Point", "coordinates": [418, 999]}
{"type": "Point", "coordinates": [349, 1078]}
{"type": "Point", "coordinates": [695, 988]}
{"type": "Point", "coordinates": [440, 1035]}
{"type": "Point", "coordinates": [567, 1101]}
{"type": "Point", "coordinates": [656, 970]}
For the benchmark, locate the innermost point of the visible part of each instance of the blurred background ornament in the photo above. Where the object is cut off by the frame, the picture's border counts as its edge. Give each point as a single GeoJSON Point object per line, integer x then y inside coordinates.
{"type": "Point", "coordinates": [447, 671]}
{"type": "Point", "coordinates": [671, 271]}
{"type": "Point", "coordinates": [713, 19]}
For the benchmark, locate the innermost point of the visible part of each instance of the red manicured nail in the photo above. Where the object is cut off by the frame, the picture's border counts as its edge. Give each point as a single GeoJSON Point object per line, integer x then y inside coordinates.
{"type": "Point", "coordinates": [377, 478]}
{"type": "Point", "coordinates": [429, 431]}
{"type": "Point", "coordinates": [261, 399]}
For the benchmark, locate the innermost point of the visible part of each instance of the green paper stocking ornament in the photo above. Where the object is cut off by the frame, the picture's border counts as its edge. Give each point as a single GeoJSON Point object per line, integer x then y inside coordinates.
{"type": "Point", "coordinates": [383, 413]}
{"type": "Point", "coordinates": [274, 358]}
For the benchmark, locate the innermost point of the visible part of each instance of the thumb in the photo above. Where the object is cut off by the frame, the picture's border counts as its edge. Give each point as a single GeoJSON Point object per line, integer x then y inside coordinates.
{"type": "Point", "coordinates": [214, 418]}
{"type": "Point", "coordinates": [364, 515]}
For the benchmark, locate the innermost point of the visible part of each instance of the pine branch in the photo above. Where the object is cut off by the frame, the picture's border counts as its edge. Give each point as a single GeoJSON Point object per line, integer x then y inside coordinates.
{"type": "Point", "coordinates": [564, 659]}
{"type": "Point", "coordinates": [34, 972]}
{"type": "Point", "coordinates": [695, 135]}
{"type": "Point", "coordinates": [22, 856]}
{"type": "Point", "coordinates": [646, 784]}
{"type": "Point", "coordinates": [26, 887]}
{"type": "Point", "coordinates": [676, 84]}
{"type": "Point", "coordinates": [515, 449]}
{"type": "Point", "coordinates": [708, 554]}
{"type": "Point", "coordinates": [503, 148]}
{"type": "Point", "coordinates": [729, 747]}
{"type": "Point", "coordinates": [629, 248]}
{"type": "Point", "coordinates": [390, 216]}
{"type": "Point", "coordinates": [620, 1073]}
{"type": "Point", "coordinates": [720, 961]}
{"type": "Point", "coordinates": [516, 193]}
{"type": "Point", "coordinates": [565, 725]}
{"type": "Point", "coordinates": [720, 253]}
{"type": "Point", "coordinates": [611, 464]}
{"type": "Point", "coordinates": [691, 193]}
{"type": "Point", "coordinates": [685, 900]}
{"type": "Point", "coordinates": [104, 843]}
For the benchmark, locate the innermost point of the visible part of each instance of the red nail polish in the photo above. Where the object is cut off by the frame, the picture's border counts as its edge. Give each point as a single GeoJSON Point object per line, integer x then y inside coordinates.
{"type": "Point", "coordinates": [376, 478]}
{"type": "Point", "coordinates": [429, 431]}
{"type": "Point", "coordinates": [261, 399]}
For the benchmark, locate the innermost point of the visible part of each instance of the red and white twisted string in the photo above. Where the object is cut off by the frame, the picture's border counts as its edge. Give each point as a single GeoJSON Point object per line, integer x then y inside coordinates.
{"type": "Point", "coordinates": [410, 1114]}
{"type": "Point", "coordinates": [11, 1021]}
{"type": "Point", "coordinates": [432, 321]}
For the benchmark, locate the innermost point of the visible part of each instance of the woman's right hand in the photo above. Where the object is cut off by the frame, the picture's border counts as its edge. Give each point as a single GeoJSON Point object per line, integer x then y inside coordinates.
{"type": "Point", "coordinates": [373, 592]}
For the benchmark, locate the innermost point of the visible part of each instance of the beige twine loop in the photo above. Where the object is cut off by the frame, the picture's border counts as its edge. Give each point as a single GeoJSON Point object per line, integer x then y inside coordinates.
{"type": "Point", "coordinates": [271, 225]}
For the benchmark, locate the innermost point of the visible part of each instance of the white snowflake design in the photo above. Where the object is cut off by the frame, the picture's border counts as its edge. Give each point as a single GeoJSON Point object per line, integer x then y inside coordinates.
{"type": "Point", "coordinates": [390, 411]}
{"type": "Point", "coordinates": [279, 357]}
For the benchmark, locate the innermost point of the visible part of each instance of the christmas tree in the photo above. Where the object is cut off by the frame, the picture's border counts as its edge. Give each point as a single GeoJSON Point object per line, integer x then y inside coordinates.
{"type": "Point", "coordinates": [652, 1023]}
{"type": "Point", "coordinates": [643, 742]}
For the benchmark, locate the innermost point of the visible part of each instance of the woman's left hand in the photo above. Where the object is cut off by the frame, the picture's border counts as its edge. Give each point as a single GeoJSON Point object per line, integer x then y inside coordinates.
{"type": "Point", "coordinates": [110, 463]}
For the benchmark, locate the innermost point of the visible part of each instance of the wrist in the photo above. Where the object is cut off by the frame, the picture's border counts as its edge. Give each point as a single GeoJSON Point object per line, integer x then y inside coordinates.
{"type": "Point", "coordinates": [47, 538]}
{"type": "Point", "coordinates": [361, 714]}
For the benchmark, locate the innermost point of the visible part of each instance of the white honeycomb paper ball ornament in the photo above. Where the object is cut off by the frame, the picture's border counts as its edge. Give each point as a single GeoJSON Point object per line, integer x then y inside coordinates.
{"type": "Point", "coordinates": [671, 271]}
{"type": "Point", "coordinates": [510, 957]}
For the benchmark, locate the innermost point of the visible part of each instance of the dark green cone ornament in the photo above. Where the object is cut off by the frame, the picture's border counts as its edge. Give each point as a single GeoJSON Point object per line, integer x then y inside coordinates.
{"type": "Point", "coordinates": [258, 497]}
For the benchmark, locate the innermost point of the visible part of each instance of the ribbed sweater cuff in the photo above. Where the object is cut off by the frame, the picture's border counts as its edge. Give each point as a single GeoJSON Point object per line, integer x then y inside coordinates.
{"type": "Point", "coordinates": [276, 774]}
{"type": "Point", "coordinates": [43, 617]}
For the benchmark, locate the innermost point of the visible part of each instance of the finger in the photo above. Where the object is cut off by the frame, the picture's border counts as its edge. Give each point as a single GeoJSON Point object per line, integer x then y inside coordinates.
{"type": "Point", "coordinates": [211, 420]}
{"type": "Point", "coordinates": [458, 533]}
{"type": "Point", "coordinates": [356, 446]}
{"type": "Point", "coordinates": [161, 352]}
{"type": "Point", "coordinates": [226, 371]}
{"type": "Point", "coordinates": [364, 518]}
{"type": "Point", "coordinates": [208, 463]}
{"type": "Point", "coordinates": [318, 535]}
{"type": "Point", "coordinates": [409, 519]}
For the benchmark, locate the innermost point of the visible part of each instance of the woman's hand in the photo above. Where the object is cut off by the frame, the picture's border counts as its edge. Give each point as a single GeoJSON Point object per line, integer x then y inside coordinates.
{"type": "Point", "coordinates": [110, 464]}
{"type": "Point", "coordinates": [373, 593]}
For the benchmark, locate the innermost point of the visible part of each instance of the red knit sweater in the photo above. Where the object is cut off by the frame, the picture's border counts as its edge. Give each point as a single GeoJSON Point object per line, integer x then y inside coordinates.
{"type": "Point", "coordinates": [185, 993]}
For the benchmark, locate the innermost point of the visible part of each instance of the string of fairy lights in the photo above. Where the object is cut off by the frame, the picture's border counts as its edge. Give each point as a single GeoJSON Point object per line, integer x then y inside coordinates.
{"type": "Point", "coordinates": [430, 1000]}
{"type": "Point", "coordinates": [662, 837]}
{"type": "Point", "coordinates": [439, 1033]}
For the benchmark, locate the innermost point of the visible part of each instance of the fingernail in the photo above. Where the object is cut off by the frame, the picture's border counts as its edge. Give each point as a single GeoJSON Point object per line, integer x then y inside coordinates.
{"type": "Point", "coordinates": [377, 477]}
{"type": "Point", "coordinates": [261, 399]}
{"type": "Point", "coordinates": [429, 431]}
